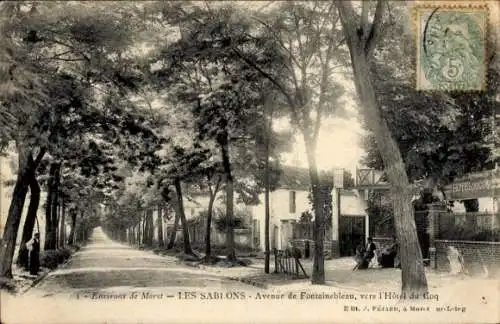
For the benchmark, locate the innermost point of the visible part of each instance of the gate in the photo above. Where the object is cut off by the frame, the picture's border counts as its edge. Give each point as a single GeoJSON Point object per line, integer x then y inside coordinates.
{"type": "Point", "coordinates": [422, 225]}
{"type": "Point", "coordinates": [352, 234]}
{"type": "Point", "coordinates": [288, 263]}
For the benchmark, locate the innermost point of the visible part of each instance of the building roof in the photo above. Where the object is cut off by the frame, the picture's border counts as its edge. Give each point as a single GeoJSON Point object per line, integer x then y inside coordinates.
{"type": "Point", "coordinates": [296, 178]}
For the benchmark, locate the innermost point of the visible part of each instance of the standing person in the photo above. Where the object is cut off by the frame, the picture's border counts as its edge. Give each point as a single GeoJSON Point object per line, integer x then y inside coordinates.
{"type": "Point", "coordinates": [34, 247]}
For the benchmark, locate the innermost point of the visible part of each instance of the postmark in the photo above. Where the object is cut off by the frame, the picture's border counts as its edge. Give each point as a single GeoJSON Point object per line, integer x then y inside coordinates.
{"type": "Point", "coordinates": [451, 47]}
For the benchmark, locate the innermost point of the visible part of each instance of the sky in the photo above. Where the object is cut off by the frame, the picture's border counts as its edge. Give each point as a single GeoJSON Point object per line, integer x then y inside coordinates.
{"type": "Point", "coordinates": [338, 146]}
{"type": "Point", "coordinates": [339, 140]}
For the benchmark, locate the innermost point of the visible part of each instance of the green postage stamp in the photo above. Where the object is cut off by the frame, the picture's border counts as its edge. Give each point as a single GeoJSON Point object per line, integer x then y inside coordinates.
{"type": "Point", "coordinates": [451, 47]}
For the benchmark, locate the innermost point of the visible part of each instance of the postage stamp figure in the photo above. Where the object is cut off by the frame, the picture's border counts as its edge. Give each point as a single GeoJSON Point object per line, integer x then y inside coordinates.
{"type": "Point", "coordinates": [451, 48]}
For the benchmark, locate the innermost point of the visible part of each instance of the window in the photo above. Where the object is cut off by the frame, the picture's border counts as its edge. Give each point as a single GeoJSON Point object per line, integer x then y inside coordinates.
{"type": "Point", "coordinates": [292, 202]}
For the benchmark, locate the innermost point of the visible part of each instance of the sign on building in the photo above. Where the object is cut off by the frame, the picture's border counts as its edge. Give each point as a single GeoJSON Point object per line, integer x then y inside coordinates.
{"type": "Point", "coordinates": [474, 185]}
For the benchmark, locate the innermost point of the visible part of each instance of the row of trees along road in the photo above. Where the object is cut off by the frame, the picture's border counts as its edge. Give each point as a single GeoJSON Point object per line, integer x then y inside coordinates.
{"type": "Point", "coordinates": [61, 67]}
{"type": "Point", "coordinates": [151, 102]}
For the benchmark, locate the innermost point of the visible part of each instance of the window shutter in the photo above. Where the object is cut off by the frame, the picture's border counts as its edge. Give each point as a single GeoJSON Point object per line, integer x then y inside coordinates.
{"type": "Point", "coordinates": [292, 202]}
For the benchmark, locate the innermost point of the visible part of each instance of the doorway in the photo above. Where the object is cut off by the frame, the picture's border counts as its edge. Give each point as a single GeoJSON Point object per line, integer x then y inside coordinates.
{"type": "Point", "coordinates": [352, 234]}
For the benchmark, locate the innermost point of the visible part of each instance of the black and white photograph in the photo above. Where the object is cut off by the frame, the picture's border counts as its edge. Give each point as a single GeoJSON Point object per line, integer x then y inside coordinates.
{"type": "Point", "coordinates": [332, 161]}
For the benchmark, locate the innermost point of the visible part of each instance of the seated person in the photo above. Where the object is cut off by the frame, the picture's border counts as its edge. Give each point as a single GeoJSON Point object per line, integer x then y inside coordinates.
{"type": "Point", "coordinates": [389, 256]}
{"type": "Point", "coordinates": [364, 255]}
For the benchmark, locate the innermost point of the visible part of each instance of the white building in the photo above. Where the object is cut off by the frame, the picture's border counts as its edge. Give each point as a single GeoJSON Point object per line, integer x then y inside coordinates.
{"type": "Point", "coordinates": [288, 202]}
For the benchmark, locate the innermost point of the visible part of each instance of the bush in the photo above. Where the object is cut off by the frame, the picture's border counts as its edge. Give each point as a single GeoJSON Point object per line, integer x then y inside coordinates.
{"type": "Point", "coordinates": [8, 285]}
{"type": "Point", "coordinates": [216, 249]}
{"type": "Point", "coordinates": [75, 247]}
{"type": "Point", "coordinates": [240, 249]}
{"type": "Point", "coordinates": [65, 253]}
{"type": "Point", "coordinates": [52, 258]}
{"type": "Point", "coordinates": [306, 217]}
{"type": "Point", "coordinates": [158, 250]}
{"type": "Point", "coordinates": [221, 223]}
{"type": "Point", "coordinates": [188, 257]}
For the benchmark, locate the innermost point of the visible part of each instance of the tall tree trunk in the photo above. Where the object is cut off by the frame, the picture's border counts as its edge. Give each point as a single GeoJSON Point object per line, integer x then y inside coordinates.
{"type": "Point", "coordinates": [79, 226]}
{"type": "Point", "coordinates": [267, 216]}
{"type": "Point", "coordinates": [413, 272]}
{"type": "Point", "coordinates": [79, 232]}
{"type": "Point", "coordinates": [171, 241]}
{"type": "Point", "coordinates": [412, 266]}
{"type": "Point", "coordinates": [159, 220]}
{"type": "Point", "coordinates": [55, 204]}
{"type": "Point", "coordinates": [56, 219]}
{"type": "Point", "coordinates": [149, 227]}
{"type": "Point", "coordinates": [62, 229]}
{"type": "Point", "coordinates": [208, 230]}
{"type": "Point", "coordinates": [318, 273]}
{"type": "Point", "coordinates": [71, 238]}
{"type": "Point", "coordinates": [182, 216]}
{"type": "Point", "coordinates": [267, 219]}
{"type": "Point", "coordinates": [29, 222]}
{"type": "Point", "coordinates": [138, 233]}
{"type": "Point", "coordinates": [123, 235]}
{"type": "Point", "coordinates": [14, 216]}
{"type": "Point", "coordinates": [229, 199]}
{"type": "Point", "coordinates": [49, 204]}
{"type": "Point", "coordinates": [144, 229]}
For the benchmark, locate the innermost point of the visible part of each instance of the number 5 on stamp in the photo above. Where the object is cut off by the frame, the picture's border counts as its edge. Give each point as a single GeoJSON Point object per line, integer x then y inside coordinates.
{"type": "Point", "coordinates": [451, 47]}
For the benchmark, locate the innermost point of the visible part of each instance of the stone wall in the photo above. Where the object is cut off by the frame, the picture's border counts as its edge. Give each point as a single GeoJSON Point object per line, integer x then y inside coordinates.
{"type": "Point", "coordinates": [479, 258]}
{"type": "Point", "coordinates": [242, 236]}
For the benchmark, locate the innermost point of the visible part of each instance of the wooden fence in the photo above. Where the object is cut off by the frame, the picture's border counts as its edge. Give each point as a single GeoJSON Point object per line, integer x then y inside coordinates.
{"type": "Point", "coordinates": [288, 263]}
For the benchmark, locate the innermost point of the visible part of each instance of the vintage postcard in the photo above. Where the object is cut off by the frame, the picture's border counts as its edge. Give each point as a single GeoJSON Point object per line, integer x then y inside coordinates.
{"type": "Point", "coordinates": [249, 162]}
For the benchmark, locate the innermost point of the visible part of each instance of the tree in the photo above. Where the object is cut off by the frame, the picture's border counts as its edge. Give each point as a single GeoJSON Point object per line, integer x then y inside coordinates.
{"type": "Point", "coordinates": [31, 218]}
{"type": "Point", "coordinates": [276, 51]}
{"type": "Point", "coordinates": [440, 136]}
{"type": "Point", "coordinates": [179, 164]}
{"type": "Point", "coordinates": [268, 122]}
{"type": "Point", "coordinates": [159, 223]}
{"type": "Point", "coordinates": [37, 49]}
{"type": "Point", "coordinates": [213, 183]}
{"type": "Point", "coordinates": [51, 207]}
{"type": "Point", "coordinates": [221, 94]}
{"type": "Point", "coordinates": [348, 180]}
{"type": "Point", "coordinates": [361, 38]}
{"type": "Point", "coordinates": [306, 37]}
